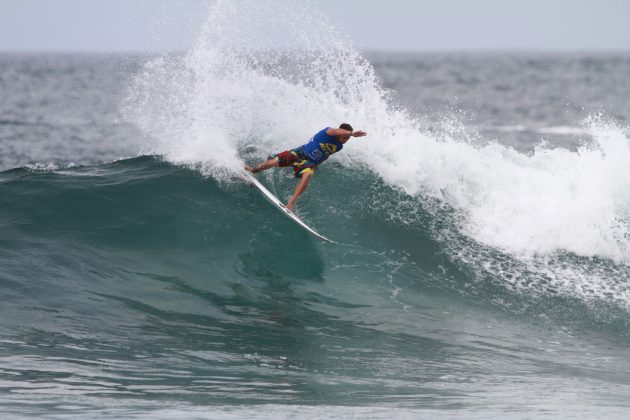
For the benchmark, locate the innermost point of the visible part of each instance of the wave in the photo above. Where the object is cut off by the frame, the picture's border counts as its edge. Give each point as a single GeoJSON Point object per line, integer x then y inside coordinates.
{"type": "Point", "coordinates": [552, 222]}
{"type": "Point", "coordinates": [13, 122]}
{"type": "Point", "coordinates": [448, 209]}
{"type": "Point", "coordinates": [246, 90]}
{"type": "Point", "coordinates": [100, 226]}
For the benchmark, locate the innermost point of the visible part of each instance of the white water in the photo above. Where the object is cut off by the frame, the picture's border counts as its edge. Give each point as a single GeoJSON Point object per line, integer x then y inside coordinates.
{"type": "Point", "coordinates": [269, 75]}
{"type": "Point", "coordinates": [553, 200]}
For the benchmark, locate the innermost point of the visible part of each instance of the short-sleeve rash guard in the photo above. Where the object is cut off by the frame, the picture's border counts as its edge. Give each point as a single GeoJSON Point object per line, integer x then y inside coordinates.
{"type": "Point", "coordinates": [321, 146]}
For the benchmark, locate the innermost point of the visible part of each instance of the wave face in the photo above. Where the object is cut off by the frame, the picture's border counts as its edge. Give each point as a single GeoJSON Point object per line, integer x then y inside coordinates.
{"type": "Point", "coordinates": [476, 270]}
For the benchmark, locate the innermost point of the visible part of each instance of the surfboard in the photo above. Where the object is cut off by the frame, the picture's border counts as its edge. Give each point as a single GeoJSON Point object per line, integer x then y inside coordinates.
{"type": "Point", "coordinates": [278, 204]}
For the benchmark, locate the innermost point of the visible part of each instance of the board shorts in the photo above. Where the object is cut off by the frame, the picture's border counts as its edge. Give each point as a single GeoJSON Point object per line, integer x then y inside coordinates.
{"type": "Point", "coordinates": [298, 160]}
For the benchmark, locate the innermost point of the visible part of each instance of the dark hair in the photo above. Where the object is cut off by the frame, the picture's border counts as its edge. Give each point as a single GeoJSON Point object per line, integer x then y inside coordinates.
{"type": "Point", "coordinates": [346, 126]}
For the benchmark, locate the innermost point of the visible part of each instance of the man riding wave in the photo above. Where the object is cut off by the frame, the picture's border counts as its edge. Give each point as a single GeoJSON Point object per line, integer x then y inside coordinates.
{"type": "Point", "coordinates": [306, 158]}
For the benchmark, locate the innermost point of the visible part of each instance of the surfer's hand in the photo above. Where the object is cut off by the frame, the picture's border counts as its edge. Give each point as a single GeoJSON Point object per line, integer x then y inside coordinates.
{"type": "Point", "coordinates": [359, 133]}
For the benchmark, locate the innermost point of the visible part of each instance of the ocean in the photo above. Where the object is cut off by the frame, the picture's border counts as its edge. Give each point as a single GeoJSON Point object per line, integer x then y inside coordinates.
{"type": "Point", "coordinates": [482, 258]}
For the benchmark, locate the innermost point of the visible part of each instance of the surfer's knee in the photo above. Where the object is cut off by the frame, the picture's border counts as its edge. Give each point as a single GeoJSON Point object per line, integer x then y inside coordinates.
{"type": "Point", "coordinates": [271, 162]}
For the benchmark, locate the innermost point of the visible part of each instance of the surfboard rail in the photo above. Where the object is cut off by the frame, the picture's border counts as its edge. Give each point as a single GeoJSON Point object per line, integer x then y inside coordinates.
{"type": "Point", "coordinates": [278, 204]}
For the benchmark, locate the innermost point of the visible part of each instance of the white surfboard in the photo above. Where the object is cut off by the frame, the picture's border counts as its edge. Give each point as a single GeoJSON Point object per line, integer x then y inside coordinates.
{"type": "Point", "coordinates": [272, 198]}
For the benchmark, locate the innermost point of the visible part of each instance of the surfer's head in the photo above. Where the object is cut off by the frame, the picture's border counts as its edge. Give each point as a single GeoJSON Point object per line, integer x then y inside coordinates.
{"type": "Point", "coordinates": [346, 126]}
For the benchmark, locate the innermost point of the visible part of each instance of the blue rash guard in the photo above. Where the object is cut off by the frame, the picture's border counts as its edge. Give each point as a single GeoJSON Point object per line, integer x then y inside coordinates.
{"type": "Point", "coordinates": [321, 146]}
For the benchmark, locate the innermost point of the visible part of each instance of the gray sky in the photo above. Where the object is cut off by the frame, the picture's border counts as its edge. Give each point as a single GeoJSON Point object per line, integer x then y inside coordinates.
{"type": "Point", "coordinates": [150, 25]}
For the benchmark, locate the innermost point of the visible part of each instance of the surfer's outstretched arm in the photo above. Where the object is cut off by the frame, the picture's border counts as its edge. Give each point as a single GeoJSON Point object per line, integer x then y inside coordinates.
{"type": "Point", "coordinates": [344, 135]}
{"type": "Point", "coordinates": [299, 189]}
{"type": "Point", "coordinates": [271, 163]}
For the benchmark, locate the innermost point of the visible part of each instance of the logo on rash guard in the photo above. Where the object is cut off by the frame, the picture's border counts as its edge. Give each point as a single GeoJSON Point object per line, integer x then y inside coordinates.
{"type": "Point", "coordinates": [330, 148]}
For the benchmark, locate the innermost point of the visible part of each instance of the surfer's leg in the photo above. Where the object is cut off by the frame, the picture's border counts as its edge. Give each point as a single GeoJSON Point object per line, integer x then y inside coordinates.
{"type": "Point", "coordinates": [282, 159]}
{"type": "Point", "coordinates": [270, 163]}
{"type": "Point", "coordinates": [299, 189]}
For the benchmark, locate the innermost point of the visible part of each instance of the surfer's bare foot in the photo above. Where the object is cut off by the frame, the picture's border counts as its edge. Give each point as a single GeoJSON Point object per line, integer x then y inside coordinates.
{"type": "Point", "coordinates": [250, 169]}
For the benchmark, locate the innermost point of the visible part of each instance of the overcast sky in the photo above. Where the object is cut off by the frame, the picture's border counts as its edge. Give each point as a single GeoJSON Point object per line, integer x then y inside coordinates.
{"type": "Point", "coordinates": [423, 25]}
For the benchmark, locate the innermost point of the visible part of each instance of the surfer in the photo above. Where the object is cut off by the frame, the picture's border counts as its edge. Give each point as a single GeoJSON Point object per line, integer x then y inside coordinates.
{"type": "Point", "coordinates": [306, 158]}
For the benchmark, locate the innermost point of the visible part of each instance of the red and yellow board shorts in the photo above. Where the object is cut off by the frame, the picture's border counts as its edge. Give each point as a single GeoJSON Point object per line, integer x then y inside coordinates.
{"type": "Point", "coordinates": [298, 160]}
